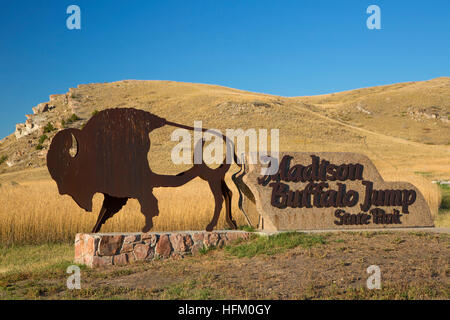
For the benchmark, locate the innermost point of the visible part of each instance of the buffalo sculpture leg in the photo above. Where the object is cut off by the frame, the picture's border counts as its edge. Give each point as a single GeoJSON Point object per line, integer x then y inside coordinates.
{"type": "Point", "coordinates": [149, 208]}
{"type": "Point", "coordinates": [149, 203]}
{"type": "Point", "coordinates": [227, 194]}
{"type": "Point", "coordinates": [221, 192]}
{"type": "Point", "coordinates": [110, 206]}
{"type": "Point", "coordinates": [216, 189]}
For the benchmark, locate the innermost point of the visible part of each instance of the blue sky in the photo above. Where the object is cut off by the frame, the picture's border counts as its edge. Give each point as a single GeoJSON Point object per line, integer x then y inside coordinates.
{"type": "Point", "coordinates": [287, 48]}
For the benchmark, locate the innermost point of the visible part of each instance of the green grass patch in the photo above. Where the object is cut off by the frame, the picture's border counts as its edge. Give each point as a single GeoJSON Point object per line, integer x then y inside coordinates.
{"type": "Point", "coordinates": [3, 159]}
{"type": "Point", "coordinates": [49, 128]}
{"type": "Point", "coordinates": [42, 138]}
{"type": "Point", "coordinates": [204, 250]}
{"type": "Point", "coordinates": [21, 262]}
{"type": "Point", "coordinates": [445, 202]}
{"type": "Point", "coordinates": [443, 218]}
{"type": "Point", "coordinates": [247, 228]}
{"type": "Point", "coordinates": [274, 244]}
{"type": "Point", "coordinates": [189, 290]}
{"type": "Point", "coordinates": [73, 118]}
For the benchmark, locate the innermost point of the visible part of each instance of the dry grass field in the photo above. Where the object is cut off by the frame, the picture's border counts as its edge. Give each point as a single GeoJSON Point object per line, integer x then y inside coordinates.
{"type": "Point", "coordinates": [33, 212]}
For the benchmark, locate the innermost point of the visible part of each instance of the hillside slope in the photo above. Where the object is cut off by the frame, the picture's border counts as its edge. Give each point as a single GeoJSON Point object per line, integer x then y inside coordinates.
{"type": "Point", "coordinates": [397, 126]}
{"type": "Point", "coordinates": [417, 111]}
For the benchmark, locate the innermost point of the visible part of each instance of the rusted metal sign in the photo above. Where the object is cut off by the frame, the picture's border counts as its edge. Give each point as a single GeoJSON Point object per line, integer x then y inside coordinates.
{"type": "Point", "coordinates": [111, 158]}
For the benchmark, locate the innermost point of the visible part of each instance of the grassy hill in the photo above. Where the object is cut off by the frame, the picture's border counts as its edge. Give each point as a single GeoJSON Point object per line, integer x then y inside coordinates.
{"type": "Point", "coordinates": [417, 111]}
{"type": "Point", "coordinates": [394, 125]}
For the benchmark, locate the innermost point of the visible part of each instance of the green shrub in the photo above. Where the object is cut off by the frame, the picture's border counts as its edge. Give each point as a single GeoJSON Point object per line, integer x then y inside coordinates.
{"type": "Point", "coordinates": [94, 112]}
{"type": "Point", "coordinates": [73, 118]}
{"type": "Point", "coordinates": [445, 202]}
{"type": "Point", "coordinates": [39, 147]}
{"type": "Point", "coordinates": [204, 249]}
{"type": "Point", "coordinates": [42, 138]}
{"type": "Point", "coordinates": [49, 128]}
{"type": "Point", "coordinates": [3, 159]}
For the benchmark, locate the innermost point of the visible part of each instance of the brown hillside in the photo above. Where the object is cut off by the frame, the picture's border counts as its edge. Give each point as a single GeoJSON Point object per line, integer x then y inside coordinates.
{"type": "Point", "coordinates": [417, 111]}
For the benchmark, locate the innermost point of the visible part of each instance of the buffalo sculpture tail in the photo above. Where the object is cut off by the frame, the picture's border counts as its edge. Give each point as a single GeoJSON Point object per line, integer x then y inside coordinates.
{"type": "Point", "coordinates": [237, 179]}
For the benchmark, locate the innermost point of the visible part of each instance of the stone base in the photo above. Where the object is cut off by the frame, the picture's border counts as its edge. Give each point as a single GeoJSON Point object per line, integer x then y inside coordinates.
{"type": "Point", "coordinates": [103, 249]}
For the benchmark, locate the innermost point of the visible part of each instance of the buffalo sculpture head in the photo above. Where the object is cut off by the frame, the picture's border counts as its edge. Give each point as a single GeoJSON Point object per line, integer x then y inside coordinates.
{"type": "Point", "coordinates": [59, 157]}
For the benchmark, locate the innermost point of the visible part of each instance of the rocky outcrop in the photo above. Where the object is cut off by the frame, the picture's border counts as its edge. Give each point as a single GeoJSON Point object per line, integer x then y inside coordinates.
{"type": "Point", "coordinates": [42, 107]}
{"type": "Point", "coordinates": [360, 108]}
{"type": "Point", "coordinates": [72, 101]}
{"type": "Point", "coordinates": [239, 108]}
{"type": "Point", "coordinates": [421, 114]}
{"type": "Point", "coordinates": [24, 129]}
{"type": "Point", "coordinates": [34, 121]}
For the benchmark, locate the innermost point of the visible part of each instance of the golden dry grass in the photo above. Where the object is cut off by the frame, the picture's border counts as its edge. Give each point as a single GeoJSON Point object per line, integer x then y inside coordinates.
{"type": "Point", "coordinates": [33, 212]}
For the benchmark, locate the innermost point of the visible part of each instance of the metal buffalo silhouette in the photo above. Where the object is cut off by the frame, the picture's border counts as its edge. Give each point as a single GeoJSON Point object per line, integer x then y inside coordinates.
{"type": "Point", "coordinates": [111, 158]}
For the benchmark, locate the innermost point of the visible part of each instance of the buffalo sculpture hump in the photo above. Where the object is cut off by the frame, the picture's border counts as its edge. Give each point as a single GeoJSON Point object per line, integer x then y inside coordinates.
{"type": "Point", "coordinates": [111, 158]}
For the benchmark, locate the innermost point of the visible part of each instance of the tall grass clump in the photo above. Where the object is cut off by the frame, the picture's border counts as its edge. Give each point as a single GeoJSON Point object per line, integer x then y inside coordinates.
{"type": "Point", "coordinates": [443, 220]}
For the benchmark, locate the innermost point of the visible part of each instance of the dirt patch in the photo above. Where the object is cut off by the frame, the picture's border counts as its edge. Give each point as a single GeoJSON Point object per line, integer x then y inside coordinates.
{"type": "Point", "coordinates": [413, 266]}
{"type": "Point", "coordinates": [411, 260]}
